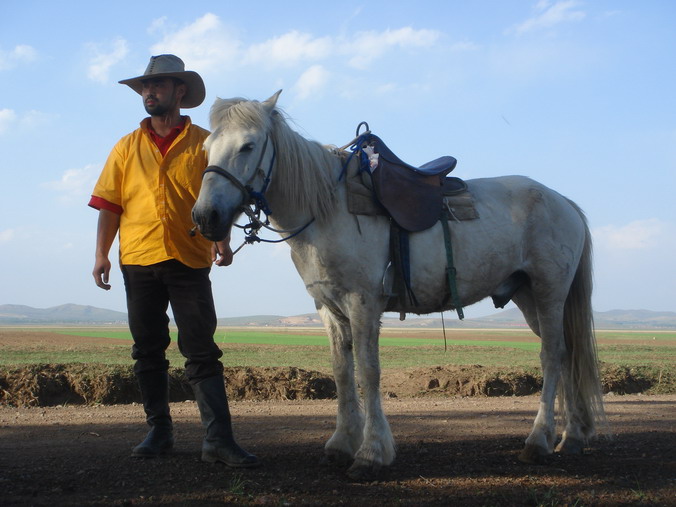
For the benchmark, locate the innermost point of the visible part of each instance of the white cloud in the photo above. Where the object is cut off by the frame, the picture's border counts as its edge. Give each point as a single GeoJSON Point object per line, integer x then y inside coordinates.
{"type": "Point", "coordinates": [549, 15]}
{"type": "Point", "coordinates": [157, 25]}
{"type": "Point", "coordinates": [34, 119]}
{"type": "Point", "coordinates": [7, 119]}
{"type": "Point", "coordinates": [369, 46]}
{"type": "Point", "coordinates": [7, 235]}
{"type": "Point", "coordinates": [294, 47]}
{"type": "Point", "coordinates": [633, 265]}
{"type": "Point", "coordinates": [24, 53]}
{"type": "Point", "coordinates": [103, 59]}
{"type": "Point", "coordinates": [291, 48]}
{"type": "Point", "coordinates": [75, 183]}
{"type": "Point", "coordinates": [7, 115]}
{"type": "Point", "coordinates": [11, 120]}
{"type": "Point", "coordinates": [636, 235]}
{"type": "Point", "coordinates": [204, 45]}
{"type": "Point", "coordinates": [386, 88]}
{"type": "Point", "coordinates": [64, 247]}
{"type": "Point", "coordinates": [21, 54]}
{"type": "Point", "coordinates": [312, 81]}
{"type": "Point", "coordinates": [461, 47]}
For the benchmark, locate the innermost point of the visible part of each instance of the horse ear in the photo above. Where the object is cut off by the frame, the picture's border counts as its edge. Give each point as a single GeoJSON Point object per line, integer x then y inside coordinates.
{"type": "Point", "coordinates": [272, 101]}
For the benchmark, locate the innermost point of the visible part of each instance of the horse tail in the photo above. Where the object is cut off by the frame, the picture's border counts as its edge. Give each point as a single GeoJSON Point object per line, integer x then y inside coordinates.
{"type": "Point", "coordinates": [584, 381]}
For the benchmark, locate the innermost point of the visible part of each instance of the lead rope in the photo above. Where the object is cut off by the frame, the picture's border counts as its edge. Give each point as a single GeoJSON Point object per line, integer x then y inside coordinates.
{"type": "Point", "coordinates": [443, 327]}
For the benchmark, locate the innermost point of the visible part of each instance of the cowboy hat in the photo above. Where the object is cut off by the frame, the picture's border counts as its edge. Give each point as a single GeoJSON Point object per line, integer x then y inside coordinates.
{"type": "Point", "coordinates": [171, 66]}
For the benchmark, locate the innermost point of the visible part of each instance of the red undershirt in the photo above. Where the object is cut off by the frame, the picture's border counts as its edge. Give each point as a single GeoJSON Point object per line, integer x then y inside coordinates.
{"type": "Point", "coordinates": [163, 143]}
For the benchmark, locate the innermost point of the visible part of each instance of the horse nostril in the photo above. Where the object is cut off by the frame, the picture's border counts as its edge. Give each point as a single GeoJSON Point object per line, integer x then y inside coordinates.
{"type": "Point", "coordinates": [213, 218]}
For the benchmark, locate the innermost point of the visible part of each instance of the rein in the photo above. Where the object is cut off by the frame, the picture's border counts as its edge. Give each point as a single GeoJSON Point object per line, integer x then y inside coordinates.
{"type": "Point", "coordinates": [255, 203]}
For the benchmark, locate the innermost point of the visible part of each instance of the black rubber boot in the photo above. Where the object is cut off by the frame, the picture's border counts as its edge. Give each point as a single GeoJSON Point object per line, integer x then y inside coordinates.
{"type": "Point", "coordinates": [219, 443]}
{"type": "Point", "coordinates": [155, 393]}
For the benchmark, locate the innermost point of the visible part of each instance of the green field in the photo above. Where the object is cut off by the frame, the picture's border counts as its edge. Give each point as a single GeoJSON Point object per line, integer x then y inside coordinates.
{"type": "Point", "coordinates": [257, 337]}
{"type": "Point", "coordinates": [399, 348]}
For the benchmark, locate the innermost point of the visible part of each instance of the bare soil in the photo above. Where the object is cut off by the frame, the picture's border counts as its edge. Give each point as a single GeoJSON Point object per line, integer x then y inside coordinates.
{"type": "Point", "coordinates": [453, 449]}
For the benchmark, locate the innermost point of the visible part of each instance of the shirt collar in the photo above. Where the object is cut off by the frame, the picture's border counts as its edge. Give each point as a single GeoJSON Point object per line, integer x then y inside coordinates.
{"type": "Point", "coordinates": [164, 143]}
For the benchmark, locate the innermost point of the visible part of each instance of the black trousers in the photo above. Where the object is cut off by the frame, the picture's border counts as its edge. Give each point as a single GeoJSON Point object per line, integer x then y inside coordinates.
{"type": "Point", "coordinates": [150, 291]}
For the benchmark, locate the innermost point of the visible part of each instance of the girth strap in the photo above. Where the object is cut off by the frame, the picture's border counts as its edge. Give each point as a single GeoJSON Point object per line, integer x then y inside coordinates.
{"type": "Point", "coordinates": [401, 265]}
{"type": "Point", "coordinates": [450, 267]}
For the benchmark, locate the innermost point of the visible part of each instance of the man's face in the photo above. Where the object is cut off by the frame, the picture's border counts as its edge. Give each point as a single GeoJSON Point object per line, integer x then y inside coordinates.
{"type": "Point", "coordinates": [161, 95]}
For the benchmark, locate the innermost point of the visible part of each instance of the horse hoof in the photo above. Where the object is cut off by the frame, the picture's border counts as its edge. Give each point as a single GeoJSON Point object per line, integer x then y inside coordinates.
{"type": "Point", "coordinates": [570, 446]}
{"type": "Point", "coordinates": [533, 455]}
{"type": "Point", "coordinates": [336, 459]}
{"type": "Point", "coordinates": [363, 472]}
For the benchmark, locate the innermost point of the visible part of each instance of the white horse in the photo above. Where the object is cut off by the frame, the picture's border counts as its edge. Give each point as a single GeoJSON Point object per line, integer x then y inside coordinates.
{"type": "Point", "coordinates": [523, 227]}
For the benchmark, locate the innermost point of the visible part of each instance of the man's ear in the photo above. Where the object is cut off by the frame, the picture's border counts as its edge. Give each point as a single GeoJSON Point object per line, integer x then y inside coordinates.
{"type": "Point", "coordinates": [181, 90]}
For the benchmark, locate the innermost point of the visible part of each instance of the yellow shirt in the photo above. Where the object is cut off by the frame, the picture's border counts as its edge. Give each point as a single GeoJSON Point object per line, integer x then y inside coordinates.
{"type": "Point", "coordinates": [154, 195]}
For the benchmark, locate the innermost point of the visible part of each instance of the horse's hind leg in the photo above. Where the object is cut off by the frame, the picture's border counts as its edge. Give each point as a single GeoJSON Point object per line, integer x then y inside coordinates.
{"type": "Point", "coordinates": [582, 395]}
{"type": "Point", "coordinates": [549, 326]}
{"type": "Point", "coordinates": [525, 301]}
{"type": "Point", "coordinates": [578, 429]}
{"type": "Point", "coordinates": [347, 438]}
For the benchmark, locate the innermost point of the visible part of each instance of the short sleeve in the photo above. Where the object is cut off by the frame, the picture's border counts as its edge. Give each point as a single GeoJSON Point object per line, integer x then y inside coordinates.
{"type": "Point", "coordinates": [107, 193]}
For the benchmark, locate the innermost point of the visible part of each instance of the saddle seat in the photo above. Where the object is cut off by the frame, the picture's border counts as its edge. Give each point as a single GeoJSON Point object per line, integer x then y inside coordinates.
{"type": "Point", "coordinates": [438, 167]}
{"type": "Point", "coordinates": [413, 196]}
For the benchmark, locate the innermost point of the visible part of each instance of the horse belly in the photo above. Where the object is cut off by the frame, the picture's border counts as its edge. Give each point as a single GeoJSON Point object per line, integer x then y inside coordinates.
{"type": "Point", "coordinates": [484, 253]}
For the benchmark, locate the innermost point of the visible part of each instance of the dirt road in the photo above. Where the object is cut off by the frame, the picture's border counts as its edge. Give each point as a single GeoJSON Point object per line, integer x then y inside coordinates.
{"type": "Point", "coordinates": [451, 451]}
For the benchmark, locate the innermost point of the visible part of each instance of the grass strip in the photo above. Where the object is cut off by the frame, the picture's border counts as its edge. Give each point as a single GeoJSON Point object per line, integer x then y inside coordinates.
{"type": "Point", "coordinates": [289, 339]}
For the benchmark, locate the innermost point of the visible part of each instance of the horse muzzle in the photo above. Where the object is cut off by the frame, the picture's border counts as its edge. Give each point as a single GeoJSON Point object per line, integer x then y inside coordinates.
{"type": "Point", "coordinates": [212, 224]}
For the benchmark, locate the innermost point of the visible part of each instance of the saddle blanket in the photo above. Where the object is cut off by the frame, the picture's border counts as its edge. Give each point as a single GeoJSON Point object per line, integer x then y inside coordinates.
{"type": "Point", "coordinates": [361, 200]}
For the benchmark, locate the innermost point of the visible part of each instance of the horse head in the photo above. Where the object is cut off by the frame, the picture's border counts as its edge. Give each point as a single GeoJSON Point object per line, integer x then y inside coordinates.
{"type": "Point", "coordinates": [240, 158]}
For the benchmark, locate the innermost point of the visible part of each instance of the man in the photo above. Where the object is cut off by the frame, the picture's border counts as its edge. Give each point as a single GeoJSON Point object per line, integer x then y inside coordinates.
{"type": "Point", "coordinates": [145, 192]}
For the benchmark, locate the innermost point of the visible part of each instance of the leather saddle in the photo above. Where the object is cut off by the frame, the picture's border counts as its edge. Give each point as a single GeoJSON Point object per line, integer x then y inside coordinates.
{"type": "Point", "coordinates": [413, 196]}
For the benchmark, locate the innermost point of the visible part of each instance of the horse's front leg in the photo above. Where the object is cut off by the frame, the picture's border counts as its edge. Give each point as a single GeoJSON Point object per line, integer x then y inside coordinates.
{"type": "Point", "coordinates": [343, 445]}
{"type": "Point", "coordinates": [377, 448]}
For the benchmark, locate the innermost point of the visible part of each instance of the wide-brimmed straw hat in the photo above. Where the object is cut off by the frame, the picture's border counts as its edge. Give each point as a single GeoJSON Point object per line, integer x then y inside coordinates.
{"type": "Point", "coordinates": [171, 66]}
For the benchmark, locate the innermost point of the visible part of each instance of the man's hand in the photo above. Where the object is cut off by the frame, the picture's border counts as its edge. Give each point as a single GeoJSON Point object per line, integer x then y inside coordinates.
{"type": "Point", "coordinates": [221, 253]}
{"type": "Point", "coordinates": [102, 272]}
{"type": "Point", "coordinates": [109, 224]}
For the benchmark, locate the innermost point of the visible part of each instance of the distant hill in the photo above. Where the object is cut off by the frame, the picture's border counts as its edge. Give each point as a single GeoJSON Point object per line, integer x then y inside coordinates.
{"type": "Point", "coordinates": [63, 314]}
{"type": "Point", "coordinates": [635, 319]}
{"type": "Point", "coordinates": [306, 320]}
{"type": "Point", "coordinates": [88, 315]}
{"type": "Point", "coordinates": [508, 319]}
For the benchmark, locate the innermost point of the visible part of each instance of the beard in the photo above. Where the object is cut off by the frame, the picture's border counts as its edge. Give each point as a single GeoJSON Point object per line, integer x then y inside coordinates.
{"type": "Point", "coordinates": [157, 109]}
{"type": "Point", "coordinates": [160, 108]}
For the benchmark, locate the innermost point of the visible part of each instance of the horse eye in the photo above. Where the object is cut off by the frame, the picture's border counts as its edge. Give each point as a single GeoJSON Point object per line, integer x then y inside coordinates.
{"type": "Point", "coordinates": [247, 147]}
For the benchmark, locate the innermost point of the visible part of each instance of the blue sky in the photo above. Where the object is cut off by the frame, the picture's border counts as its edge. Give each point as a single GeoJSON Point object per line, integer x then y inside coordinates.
{"type": "Point", "coordinates": [578, 95]}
